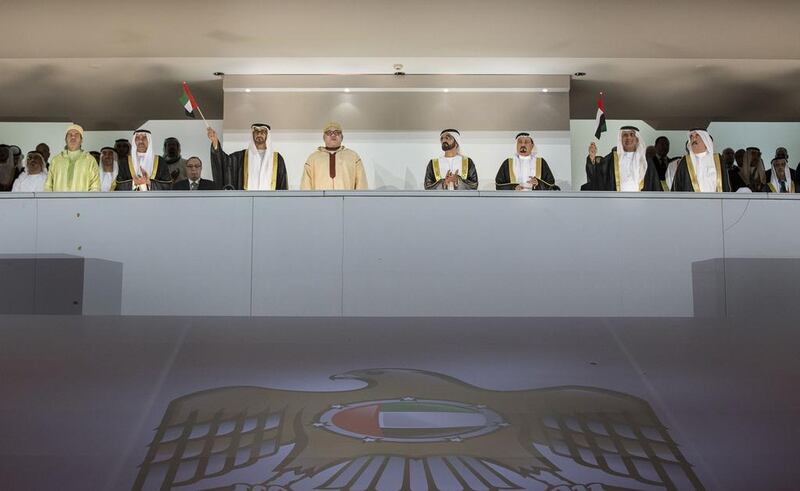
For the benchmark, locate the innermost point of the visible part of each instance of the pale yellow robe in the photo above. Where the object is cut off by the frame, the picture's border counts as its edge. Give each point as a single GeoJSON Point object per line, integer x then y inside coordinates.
{"type": "Point", "coordinates": [73, 171]}
{"type": "Point", "coordinates": [350, 173]}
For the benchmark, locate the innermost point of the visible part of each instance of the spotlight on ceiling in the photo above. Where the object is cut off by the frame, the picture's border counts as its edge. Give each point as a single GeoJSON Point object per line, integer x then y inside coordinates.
{"type": "Point", "coordinates": [580, 74]}
{"type": "Point", "coordinates": [219, 74]}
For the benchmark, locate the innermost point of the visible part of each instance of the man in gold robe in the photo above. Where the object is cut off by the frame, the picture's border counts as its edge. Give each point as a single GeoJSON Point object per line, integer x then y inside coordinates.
{"type": "Point", "coordinates": [333, 166]}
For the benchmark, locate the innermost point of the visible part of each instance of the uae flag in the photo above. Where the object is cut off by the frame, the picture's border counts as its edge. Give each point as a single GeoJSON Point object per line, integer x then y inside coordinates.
{"type": "Point", "coordinates": [600, 119]}
{"type": "Point", "coordinates": [409, 420]}
{"type": "Point", "coordinates": [187, 101]}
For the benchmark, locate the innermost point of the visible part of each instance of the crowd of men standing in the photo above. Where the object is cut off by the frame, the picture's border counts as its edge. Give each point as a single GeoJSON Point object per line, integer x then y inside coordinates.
{"type": "Point", "coordinates": [631, 166]}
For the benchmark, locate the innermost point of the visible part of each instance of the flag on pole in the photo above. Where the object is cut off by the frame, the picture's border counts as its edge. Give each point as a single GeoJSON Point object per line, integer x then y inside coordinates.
{"type": "Point", "coordinates": [187, 101]}
{"type": "Point", "coordinates": [600, 119]}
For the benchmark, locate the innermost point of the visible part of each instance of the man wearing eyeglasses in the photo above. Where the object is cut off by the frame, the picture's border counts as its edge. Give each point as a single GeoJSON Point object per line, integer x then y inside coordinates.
{"type": "Point", "coordinates": [193, 181]}
{"type": "Point", "coordinates": [333, 166]}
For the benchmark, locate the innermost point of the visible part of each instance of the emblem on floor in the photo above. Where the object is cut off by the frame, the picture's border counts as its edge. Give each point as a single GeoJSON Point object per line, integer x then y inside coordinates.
{"type": "Point", "coordinates": [411, 429]}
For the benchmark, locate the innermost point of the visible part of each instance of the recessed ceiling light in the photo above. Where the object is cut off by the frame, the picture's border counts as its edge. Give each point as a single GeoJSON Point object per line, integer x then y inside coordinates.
{"type": "Point", "coordinates": [446, 90]}
{"type": "Point", "coordinates": [347, 90]}
{"type": "Point", "coordinates": [247, 90]}
{"type": "Point", "coordinates": [545, 90]}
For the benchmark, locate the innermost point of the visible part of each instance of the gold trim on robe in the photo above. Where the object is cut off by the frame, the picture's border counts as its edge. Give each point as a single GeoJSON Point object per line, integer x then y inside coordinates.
{"type": "Point", "coordinates": [244, 170]}
{"type": "Point", "coordinates": [273, 185]}
{"type": "Point", "coordinates": [616, 173]}
{"type": "Point", "coordinates": [464, 169]}
{"type": "Point", "coordinates": [791, 188]}
{"type": "Point", "coordinates": [512, 177]}
{"type": "Point", "coordinates": [153, 173]}
{"type": "Point", "coordinates": [693, 173]}
{"type": "Point", "coordinates": [274, 182]}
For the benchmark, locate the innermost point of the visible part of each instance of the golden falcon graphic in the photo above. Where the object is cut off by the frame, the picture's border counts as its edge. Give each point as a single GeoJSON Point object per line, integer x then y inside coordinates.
{"type": "Point", "coordinates": [412, 429]}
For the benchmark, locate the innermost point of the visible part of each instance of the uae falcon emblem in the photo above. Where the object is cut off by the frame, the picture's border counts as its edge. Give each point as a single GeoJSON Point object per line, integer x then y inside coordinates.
{"type": "Point", "coordinates": [412, 430]}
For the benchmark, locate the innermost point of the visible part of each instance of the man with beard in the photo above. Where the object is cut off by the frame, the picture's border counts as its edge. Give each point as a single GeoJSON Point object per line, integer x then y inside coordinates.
{"type": "Point", "coordinates": [257, 168]}
{"type": "Point", "coordinates": [624, 169]}
{"type": "Point", "coordinates": [34, 177]}
{"type": "Point", "coordinates": [144, 170]}
{"type": "Point", "coordinates": [172, 157]}
{"type": "Point", "coordinates": [7, 169]}
{"type": "Point", "coordinates": [700, 170]}
{"type": "Point", "coordinates": [333, 166]}
{"type": "Point", "coordinates": [109, 168]}
{"type": "Point", "coordinates": [526, 169]}
{"type": "Point", "coordinates": [780, 178]}
{"type": "Point", "coordinates": [73, 169]}
{"type": "Point", "coordinates": [453, 170]}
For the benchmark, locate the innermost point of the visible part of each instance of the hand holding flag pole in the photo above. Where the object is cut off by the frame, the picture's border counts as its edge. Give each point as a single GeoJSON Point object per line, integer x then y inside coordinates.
{"type": "Point", "coordinates": [190, 104]}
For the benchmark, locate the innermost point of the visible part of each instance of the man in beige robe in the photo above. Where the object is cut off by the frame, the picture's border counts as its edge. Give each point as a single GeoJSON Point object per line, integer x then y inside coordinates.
{"type": "Point", "coordinates": [333, 166]}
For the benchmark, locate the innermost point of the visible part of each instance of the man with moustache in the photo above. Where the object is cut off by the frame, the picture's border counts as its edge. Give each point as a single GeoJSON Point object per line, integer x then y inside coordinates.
{"type": "Point", "coordinates": [144, 171]}
{"type": "Point", "coordinates": [257, 168]}
{"type": "Point", "coordinates": [701, 170]}
{"type": "Point", "coordinates": [780, 178]}
{"type": "Point", "coordinates": [74, 169]}
{"type": "Point", "coordinates": [526, 170]}
{"type": "Point", "coordinates": [626, 168]}
{"type": "Point", "coordinates": [34, 177]}
{"type": "Point", "coordinates": [109, 168]}
{"type": "Point", "coordinates": [193, 181]}
{"type": "Point", "coordinates": [333, 166]}
{"type": "Point", "coordinates": [453, 170]}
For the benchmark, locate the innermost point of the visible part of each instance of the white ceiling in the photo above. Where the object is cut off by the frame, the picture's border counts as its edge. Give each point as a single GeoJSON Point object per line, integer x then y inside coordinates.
{"type": "Point", "coordinates": [112, 65]}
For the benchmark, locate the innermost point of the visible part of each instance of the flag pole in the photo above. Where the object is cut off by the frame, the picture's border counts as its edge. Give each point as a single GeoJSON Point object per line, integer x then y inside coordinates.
{"type": "Point", "coordinates": [194, 102]}
{"type": "Point", "coordinates": [204, 118]}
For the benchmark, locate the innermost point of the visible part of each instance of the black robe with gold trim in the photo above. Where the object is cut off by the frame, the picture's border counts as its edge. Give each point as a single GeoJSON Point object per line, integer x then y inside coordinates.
{"type": "Point", "coordinates": [506, 180]}
{"type": "Point", "coordinates": [467, 178]}
{"type": "Point", "coordinates": [230, 171]}
{"type": "Point", "coordinates": [685, 182]}
{"type": "Point", "coordinates": [791, 184]}
{"type": "Point", "coordinates": [160, 180]}
{"type": "Point", "coordinates": [603, 175]}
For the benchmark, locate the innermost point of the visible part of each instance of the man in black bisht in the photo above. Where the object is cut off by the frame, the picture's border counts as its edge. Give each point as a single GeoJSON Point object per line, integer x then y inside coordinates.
{"type": "Point", "coordinates": [257, 168]}
{"type": "Point", "coordinates": [624, 169]}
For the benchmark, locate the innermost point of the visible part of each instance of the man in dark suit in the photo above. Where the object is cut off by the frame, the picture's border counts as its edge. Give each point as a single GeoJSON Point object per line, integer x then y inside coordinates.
{"type": "Point", "coordinates": [194, 167]}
